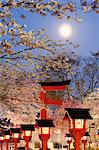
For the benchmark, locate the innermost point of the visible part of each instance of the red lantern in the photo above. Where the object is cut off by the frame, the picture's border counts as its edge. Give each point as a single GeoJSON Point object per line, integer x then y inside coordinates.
{"type": "Point", "coordinates": [27, 131]}
{"type": "Point", "coordinates": [44, 131]}
{"type": "Point", "coordinates": [15, 136]}
{"type": "Point", "coordinates": [77, 123]}
{"type": "Point", "coordinates": [7, 138]}
{"type": "Point", "coordinates": [84, 139]}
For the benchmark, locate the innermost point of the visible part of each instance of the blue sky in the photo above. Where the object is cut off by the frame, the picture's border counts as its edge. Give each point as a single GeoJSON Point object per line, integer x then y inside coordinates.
{"type": "Point", "coordinates": [85, 33]}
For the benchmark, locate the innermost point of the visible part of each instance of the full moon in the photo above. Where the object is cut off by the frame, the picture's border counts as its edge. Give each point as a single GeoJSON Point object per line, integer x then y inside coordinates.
{"type": "Point", "coordinates": [65, 30]}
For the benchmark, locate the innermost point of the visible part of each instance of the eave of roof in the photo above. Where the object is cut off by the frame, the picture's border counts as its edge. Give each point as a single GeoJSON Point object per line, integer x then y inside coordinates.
{"type": "Point", "coordinates": [67, 82]}
{"type": "Point", "coordinates": [27, 127]}
{"type": "Point", "coordinates": [15, 130]}
{"type": "Point", "coordinates": [45, 123]}
{"type": "Point", "coordinates": [78, 113]}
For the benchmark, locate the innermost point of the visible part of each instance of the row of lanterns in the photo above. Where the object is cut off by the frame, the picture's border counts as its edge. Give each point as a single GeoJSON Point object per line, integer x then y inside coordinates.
{"type": "Point", "coordinates": [27, 129]}
{"type": "Point", "coordinates": [69, 139]}
{"type": "Point", "coordinates": [77, 120]}
{"type": "Point", "coordinates": [16, 132]}
{"type": "Point", "coordinates": [77, 126]}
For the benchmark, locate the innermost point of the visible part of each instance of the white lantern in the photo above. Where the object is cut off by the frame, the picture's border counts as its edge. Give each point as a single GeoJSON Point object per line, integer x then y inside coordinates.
{"type": "Point", "coordinates": [15, 135]}
{"type": "Point", "coordinates": [68, 137]}
{"type": "Point", "coordinates": [84, 138]}
{"type": "Point", "coordinates": [27, 133]}
{"type": "Point", "coordinates": [1, 138]}
{"type": "Point", "coordinates": [44, 130]}
{"type": "Point", "coordinates": [79, 123]}
{"type": "Point", "coordinates": [27, 130]}
{"type": "Point", "coordinates": [7, 137]}
{"type": "Point", "coordinates": [77, 118]}
{"type": "Point", "coordinates": [44, 126]}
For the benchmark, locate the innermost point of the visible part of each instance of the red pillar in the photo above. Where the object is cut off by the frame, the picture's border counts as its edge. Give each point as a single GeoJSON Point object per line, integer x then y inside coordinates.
{"type": "Point", "coordinates": [77, 140]}
{"type": "Point", "coordinates": [1, 146]}
{"type": "Point", "coordinates": [7, 145]}
{"type": "Point", "coordinates": [27, 144]}
{"type": "Point", "coordinates": [69, 142]}
{"type": "Point", "coordinates": [69, 146]}
{"type": "Point", "coordinates": [15, 145]}
{"type": "Point", "coordinates": [44, 139]}
{"type": "Point", "coordinates": [84, 143]}
{"type": "Point", "coordinates": [44, 144]}
{"type": "Point", "coordinates": [84, 146]}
